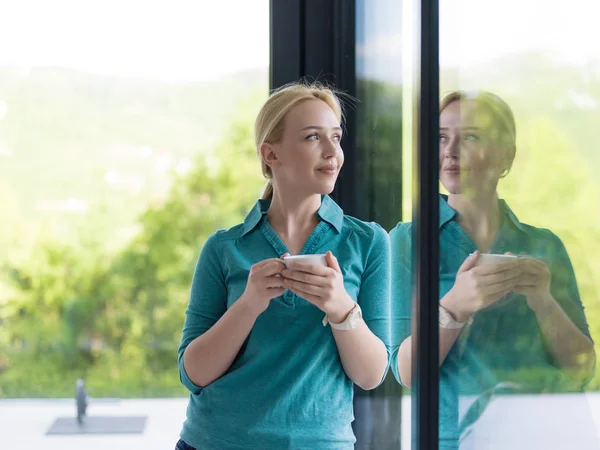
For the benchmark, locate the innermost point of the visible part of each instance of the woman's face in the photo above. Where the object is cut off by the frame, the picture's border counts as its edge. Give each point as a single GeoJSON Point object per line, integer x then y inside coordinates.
{"type": "Point", "coordinates": [308, 158]}
{"type": "Point", "coordinates": [471, 162]}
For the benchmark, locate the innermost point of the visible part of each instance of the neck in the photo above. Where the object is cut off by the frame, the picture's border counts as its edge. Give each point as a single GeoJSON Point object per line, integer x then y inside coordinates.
{"type": "Point", "coordinates": [479, 216]}
{"type": "Point", "coordinates": [289, 214]}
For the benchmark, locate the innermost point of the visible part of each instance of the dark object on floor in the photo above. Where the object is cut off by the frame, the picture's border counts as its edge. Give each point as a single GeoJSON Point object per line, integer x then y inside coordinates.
{"type": "Point", "coordinates": [83, 424]}
{"type": "Point", "coordinates": [99, 425]}
{"type": "Point", "coordinates": [81, 399]}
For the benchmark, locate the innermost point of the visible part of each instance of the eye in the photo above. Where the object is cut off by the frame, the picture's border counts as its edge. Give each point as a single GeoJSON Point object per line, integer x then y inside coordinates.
{"type": "Point", "coordinates": [443, 138]}
{"type": "Point", "coordinates": [312, 137]}
{"type": "Point", "coordinates": [471, 137]}
{"type": "Point", "coordinates": [337, 138]}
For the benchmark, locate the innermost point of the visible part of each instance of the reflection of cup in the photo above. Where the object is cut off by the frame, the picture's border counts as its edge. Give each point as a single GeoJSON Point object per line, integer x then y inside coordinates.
{"type": "Point", "coordinates": [310, 259]}
{"type": "Point", "coordinates": [490, 258]}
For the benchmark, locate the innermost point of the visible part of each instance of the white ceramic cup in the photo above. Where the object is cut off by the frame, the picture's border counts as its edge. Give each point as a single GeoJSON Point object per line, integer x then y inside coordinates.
{"type": "Point", "coordinates": [490, 258]}
{"type": "Point", "coordinates": [311, 259]}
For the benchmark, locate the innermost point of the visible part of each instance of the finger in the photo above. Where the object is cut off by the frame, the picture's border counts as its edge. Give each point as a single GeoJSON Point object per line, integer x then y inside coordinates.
{"type": "Point", "coordinates": [497, 267]}
{"type": "Point", "coordinates": [470, 262]}
{"type": "Point", "coordinates": [494, 289]}
{"type": "Point", "coordinates": [282, 260]}
{"type": "Point", "coordinates": [535, 271]}
{"type": "Point", "coordinates": [528, 280]}
{"type": "Point", "coordinates": [332, 262]}
{"type": "Point", "coordinates": [273, 267]}
{"type": "Point", "coordinates": [264, 262]}
{"type": "Point", "coordinates": [499, 277]}
{"type": "Point", "coordinates": [528, 260]}
{"type": "Point", "coordinates": [304, 277]}
{"type": "Point", "coordinates": [298, 285]}
{"type": "Point", "coordinates": [273, 282]}
{"type": "Point", "coordinates": [314, 269]}
{"type": "Point", "coordinates": [534, 274]}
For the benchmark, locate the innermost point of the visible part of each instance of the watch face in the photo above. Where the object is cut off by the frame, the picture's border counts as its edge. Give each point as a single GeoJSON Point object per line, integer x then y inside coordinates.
{"type": "Point", "coordinates": [355, 316]}
{"type": "Point", "coordinates": [447, 321]}
{"type": "Point", "coordinates": [443, 317]}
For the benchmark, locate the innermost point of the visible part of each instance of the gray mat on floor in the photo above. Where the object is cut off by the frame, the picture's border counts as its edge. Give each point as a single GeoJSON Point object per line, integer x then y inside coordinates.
{"type": "Point", "coordinates": [99, 425]}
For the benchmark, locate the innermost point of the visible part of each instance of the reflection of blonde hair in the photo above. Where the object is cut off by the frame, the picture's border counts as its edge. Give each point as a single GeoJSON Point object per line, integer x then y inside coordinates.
{"type": "Point", "coordinates": [270, 121]}
{"type": "Point", "coordinates": [502, 121]}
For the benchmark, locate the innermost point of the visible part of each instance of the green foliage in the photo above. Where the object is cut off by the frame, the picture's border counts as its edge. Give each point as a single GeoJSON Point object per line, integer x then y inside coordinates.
{"type": "Point", "coordinates": [562, 203]}
{"type": "Point", "coordinates": [105, 141]}
{"type": "Point", "coordinates": [552, 183]}
{"type": "Point", "coordinates": [379, 140]}
{"type": "Point", "coordinates": [115, 319]}
{"type": "Point", "coordinates": [81, 298]}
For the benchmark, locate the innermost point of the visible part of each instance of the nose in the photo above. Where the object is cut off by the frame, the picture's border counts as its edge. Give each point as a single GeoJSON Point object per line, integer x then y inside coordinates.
{"type": "Point", "coordinates": [330, 148]}
{"type": "Point", "coordinates": [451, 149]}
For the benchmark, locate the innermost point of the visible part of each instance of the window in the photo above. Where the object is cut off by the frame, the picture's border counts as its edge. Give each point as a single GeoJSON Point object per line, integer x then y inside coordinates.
{"type": "Point", "coordinates": [118, 121]}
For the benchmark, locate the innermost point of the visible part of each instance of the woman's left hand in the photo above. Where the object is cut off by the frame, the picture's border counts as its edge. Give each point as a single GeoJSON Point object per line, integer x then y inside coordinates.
{"type": "Point", "coordinates": [534, 282]}
{"type": "Point", "coordinates": [321, 286]}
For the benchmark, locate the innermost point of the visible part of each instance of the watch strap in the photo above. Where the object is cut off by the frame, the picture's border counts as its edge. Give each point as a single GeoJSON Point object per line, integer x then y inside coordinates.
{"type": "Point", "coordinates": [351, 321]}
{"type": "Point", "coordinates": [447, 320]}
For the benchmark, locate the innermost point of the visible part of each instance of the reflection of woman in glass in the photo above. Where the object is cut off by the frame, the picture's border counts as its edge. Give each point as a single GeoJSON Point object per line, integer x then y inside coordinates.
{"type": "Point", "coordinates": [518, 321]}
{"type": "Point", "coordinates": [263, 370]}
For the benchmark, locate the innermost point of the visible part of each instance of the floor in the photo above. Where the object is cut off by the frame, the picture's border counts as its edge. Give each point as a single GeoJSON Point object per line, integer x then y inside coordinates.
{"type": "Point", "coordinates": [549, 422]}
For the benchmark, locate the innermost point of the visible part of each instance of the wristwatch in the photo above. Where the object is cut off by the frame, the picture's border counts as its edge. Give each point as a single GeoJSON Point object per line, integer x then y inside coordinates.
{"type": "Point", "coordinates": [448, 321]}
{"type": "Point", "coordinates": [352, 321]}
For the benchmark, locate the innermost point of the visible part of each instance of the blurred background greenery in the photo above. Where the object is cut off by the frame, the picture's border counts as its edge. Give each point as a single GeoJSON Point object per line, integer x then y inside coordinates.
{"type": "Point", "coordinates": [109, 194]}
{"type": "Point", "coordinates": [108, 189]}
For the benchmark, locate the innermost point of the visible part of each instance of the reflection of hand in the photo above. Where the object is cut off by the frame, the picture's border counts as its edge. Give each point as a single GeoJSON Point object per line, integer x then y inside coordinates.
{"type": "Point", "coordinates": [264, 284]}
{"type": "Point", "coordinates": [535, 279]}
{"type": "Point", "coordinates": [321, 286]}
{"type": "Point", "coordinates": [477, 287]}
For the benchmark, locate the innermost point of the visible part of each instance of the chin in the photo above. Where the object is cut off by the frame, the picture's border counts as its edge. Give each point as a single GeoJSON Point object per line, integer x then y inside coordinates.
{"type": "Point", "coordinates": [452, 188]}
{"type": "Point", "coordinates": [325, 190]}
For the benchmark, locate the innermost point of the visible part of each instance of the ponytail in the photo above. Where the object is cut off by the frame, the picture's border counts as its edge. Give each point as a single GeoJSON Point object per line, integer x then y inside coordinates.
{"type": "Point", "coordinates": [267, 193]}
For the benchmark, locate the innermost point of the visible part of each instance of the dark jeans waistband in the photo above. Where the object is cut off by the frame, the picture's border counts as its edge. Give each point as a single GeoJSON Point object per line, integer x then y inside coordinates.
{"type": "Point", "coordinates": [181, 445]}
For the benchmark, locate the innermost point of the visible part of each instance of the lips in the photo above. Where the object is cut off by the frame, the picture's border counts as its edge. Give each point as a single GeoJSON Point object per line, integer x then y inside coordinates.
{"type": "Point", "coordinates": [452, 168]}
{"type": "Point", "coordinates": [328, 169]}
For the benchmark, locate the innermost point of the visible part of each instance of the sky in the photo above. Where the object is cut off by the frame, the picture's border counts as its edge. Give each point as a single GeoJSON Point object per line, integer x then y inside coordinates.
{"type": "Point", "coordinates": [473, 31]}
{"type": "Point", "coordinates": [199, 40]}
{"type": "Point", "coordinates": [172, 40]}
{"type": "Point", "coordinates": [476, 31]}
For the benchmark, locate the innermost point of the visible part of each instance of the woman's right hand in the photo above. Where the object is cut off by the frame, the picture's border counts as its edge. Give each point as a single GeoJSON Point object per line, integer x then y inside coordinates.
{"type": "Point", "coordinates": [477, 287]}
{"type": "Point", "coordinates": [264, 284]}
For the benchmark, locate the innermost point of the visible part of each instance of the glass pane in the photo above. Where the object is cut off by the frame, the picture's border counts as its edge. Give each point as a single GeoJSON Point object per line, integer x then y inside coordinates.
{"type": "Point", "coordinates": [119, 122]}
{"type": "Point", "coordinates": [379, 134]}
{"type": "Point", "coordinates": [517, 165]}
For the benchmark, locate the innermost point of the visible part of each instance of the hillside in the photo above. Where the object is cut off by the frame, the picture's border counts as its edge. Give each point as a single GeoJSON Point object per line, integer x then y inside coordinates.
{"type": "Point", "coordinates": [534, 86]}
{"type": "Point", "coordinates": [100, 149]}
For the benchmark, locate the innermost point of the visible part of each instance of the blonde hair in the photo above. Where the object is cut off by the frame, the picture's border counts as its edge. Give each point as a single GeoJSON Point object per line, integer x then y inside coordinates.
{"type": "Point", "coordinates": [269, 123]}
{"type": "Point", "coordinates": [502, 118]}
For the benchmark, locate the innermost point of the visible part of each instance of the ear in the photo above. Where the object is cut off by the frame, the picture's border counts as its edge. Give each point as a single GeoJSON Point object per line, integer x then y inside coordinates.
{"type": "Point", "coordinates": [268, 153]}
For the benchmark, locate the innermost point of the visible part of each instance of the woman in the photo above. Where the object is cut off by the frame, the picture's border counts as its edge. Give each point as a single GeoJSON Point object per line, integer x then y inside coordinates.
{"type": "Point", "coordinates": [263, 370]}
{"type": "Point", "coordinates": [514, 323]}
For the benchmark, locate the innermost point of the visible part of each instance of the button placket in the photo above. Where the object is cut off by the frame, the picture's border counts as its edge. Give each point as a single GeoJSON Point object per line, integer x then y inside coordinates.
{"type": "Point", "coordinates": [312, 243]}
{"type": "Point", "coordinates": [288, 298]}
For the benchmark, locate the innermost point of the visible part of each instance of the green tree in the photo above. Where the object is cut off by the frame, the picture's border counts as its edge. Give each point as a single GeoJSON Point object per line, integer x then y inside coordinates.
{"type": "Point", "coordinates": [116, 320]}
{"type": "Point", "coordinates": [551, 186]}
